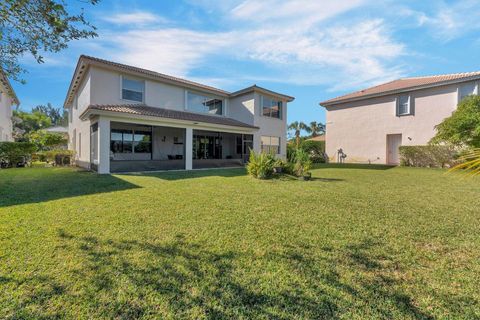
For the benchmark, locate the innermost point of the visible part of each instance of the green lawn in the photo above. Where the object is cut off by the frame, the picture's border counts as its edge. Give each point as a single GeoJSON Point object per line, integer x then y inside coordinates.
{"type": "Point", "coordinates": [356, 242]}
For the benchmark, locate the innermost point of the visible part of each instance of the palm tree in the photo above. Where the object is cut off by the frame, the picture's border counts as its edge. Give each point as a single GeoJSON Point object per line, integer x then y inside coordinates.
{"type": "Point", "coordinates": [469, 163]}
{"type": "Point", "coordinates": [298, 126]}
{"type": "Point", "coordinates": [317, 128]}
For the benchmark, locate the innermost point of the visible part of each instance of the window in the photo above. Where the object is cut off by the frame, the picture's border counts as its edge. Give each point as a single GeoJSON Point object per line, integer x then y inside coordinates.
{"type": "Point", "coordinates": [271, 107]}
{"type": "Point", "coordinates": [270, 144]}
{"type": "Point", "coordinates": [403, 105]}
{"type": "Point", "coordinates": [467, 90]}
{"type": "Point", "coordinates": [130, 141]}
{"type": "Point", "coordinates": [133, 90]}
{"type": "Point", "coordinates": [204, 104]}
{"type": "Point", "coordinates": [79, 144]}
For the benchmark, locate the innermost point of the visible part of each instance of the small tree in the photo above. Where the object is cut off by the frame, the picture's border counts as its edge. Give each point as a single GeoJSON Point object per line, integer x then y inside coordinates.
{"type": "Point", "coordinates": [25, 122]}
{"type": "Point", "coordinates": [44, 140]}
{"type": "Point", "coordinates": [297, 127]}
{"type": "Point", "coordinates": [462, 128]}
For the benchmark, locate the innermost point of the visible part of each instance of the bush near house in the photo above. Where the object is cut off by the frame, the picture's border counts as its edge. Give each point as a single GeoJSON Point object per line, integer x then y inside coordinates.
{"type": "Point", "coordinates": [315, 150]}
{"type": "Point", "coordinates": [436, 156]}
{"type": "Point", "coordinates": [260, 165]}
{"type": "Point", "coordinates": [15, 154]}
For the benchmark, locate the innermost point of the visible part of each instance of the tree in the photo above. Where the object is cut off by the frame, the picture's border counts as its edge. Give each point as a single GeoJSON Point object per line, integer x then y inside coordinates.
{"type": "Point", "coordinates": [25, 122]}
{"type": "Point", "coordinates": [44, 140]}
{"type": "Point", "coordinates": [317, 128]}
{"type": "Point", "coordinates": [462, 128]}
{"type": "Point", "coordinates": [297, 127]}
{"type": "Point", "coordinates": [58, 116]}
{"type": "Point", "coordinates": [36, 27]}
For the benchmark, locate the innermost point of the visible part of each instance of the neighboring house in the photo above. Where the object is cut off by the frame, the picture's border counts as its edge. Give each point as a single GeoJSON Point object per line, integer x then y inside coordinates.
{"type": "Point", "coordinates": [124, 118]}
{"type": "Point", "coordinates": [370, 125]}
{"type": "Point", "coordinates": [7, 99]}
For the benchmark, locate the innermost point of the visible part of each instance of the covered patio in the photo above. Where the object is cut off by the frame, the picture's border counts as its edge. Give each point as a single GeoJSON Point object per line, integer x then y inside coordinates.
{"type": "Point", "coordinates": [159, 139]}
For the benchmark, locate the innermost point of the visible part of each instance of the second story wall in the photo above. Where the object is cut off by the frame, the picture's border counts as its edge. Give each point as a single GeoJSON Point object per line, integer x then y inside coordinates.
{"type": "Point", "coordinates": [107, 89]}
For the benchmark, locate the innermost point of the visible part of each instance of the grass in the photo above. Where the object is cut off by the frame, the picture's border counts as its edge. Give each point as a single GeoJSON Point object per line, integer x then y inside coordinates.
{"type": "Point", "coordinates": [356, 242]}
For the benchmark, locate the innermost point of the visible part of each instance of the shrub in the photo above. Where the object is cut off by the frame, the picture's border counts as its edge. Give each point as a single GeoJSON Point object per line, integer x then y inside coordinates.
{"type": "Point", "coordinates": [260, 165]}
{"type": "Point", "coordinates": [301, 163]}
{"type": "Point", "coordinates": [428, 156]}
{"type": "Point", "coordinates": [13, 154]}
{"type": "Point", "coordinates": [315, 150]}
{"type": "Point", "coordinates": [58, 157]}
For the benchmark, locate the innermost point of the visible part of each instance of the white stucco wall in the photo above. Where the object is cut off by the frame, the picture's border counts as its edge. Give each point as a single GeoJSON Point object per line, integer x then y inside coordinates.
{"type": "Point", "coordinates": [5, 115]}
{"type": "Point", "coordinates": [361, 128]}
{"type": "Point", "coordinates": [78, 130]}
{"type": "Point", "coordinates": [270, 126]}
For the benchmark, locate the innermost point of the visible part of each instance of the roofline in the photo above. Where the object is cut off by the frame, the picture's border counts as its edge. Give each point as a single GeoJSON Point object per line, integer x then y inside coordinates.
{"type": "Point", "coordinates": [262, 90]}
{"type": "Point", "coordinates": [84, 62]}
{"type": "Point", "coordinates": [181, 123]}
{"type": "Point", "coordinates": [329, 103]}
{"type": "Point", "coordinates": [9, 87]}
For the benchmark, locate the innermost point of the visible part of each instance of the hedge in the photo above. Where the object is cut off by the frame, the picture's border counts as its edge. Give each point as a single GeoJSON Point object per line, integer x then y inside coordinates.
{"type": "Point", "coordinates": [58, 157]}
{"type": "Point", "coordinates": [15, 154]}
{"type": "Point", "coordinates": [428, 156]}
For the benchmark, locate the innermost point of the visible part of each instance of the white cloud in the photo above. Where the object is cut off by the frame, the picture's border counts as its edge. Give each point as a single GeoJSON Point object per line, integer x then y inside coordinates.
{"type": "Point", "coordinates": [291, 39]}
{"type": "Point", "coordinates": [136, 18]}
{"type": "Point", "coordinates": [448, 22]}
{"type": "Point", "coordinates": [172, 51]}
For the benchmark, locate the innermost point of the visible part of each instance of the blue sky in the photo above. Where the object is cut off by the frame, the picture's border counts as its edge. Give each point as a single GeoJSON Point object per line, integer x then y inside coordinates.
{"type": "Point", "coordinates": [312, 50]}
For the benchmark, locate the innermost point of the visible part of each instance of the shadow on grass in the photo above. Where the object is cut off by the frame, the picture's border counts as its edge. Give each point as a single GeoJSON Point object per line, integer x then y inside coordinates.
{"type": "Point", "coordinates": [22, 186]}
{"type": "Point", "coordinates": [135, 279]}
{"type": "Point", "coordinates": [181, 175]}
{"type": "Point", "coordinates": [288, 177]}
{"type": "Point", "coordinates": [352, 166]}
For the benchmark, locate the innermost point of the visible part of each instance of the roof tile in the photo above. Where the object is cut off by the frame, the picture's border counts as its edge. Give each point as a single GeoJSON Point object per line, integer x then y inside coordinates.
{"type": "Point", "coordinates": [143, 110]}
{"type": "Point", "coordinates": [402, 84]}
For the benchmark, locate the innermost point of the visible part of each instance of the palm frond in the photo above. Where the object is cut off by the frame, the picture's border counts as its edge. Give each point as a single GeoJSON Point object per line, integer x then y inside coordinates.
{"type": "Point", "coordinates": [469, 164]}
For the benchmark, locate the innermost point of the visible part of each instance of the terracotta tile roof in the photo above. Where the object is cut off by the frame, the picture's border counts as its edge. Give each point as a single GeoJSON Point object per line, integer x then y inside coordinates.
{"type": "Point", "coordinates": [143, 110]}
{"type": "Point", "coordinates": [405, 84]}
{"type": "Point", "coordinates": [317, 138]}
{"type": "Point", "coordinates": [85, 60]}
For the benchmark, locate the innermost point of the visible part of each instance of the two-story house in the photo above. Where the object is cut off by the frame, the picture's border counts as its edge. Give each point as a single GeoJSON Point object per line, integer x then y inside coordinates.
{"type": "Point", "coordinates": [123, 118]}
{"type": "Point", "coordinates": [8, 98]}
{"type": "Point", "coordinates": [370, 125]}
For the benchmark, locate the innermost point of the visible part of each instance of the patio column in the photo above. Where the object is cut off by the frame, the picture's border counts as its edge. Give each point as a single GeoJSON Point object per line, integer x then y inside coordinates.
{"type": "Point", "coordinates": [188, 148]}
{"type": "Point", "coordinates": [103, 145]}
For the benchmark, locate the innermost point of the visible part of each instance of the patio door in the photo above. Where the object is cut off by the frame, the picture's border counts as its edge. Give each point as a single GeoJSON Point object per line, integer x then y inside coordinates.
{"type": "Point", "coordinates": [247, 146]}
{"type": "Point", "coordinates": [94, 146]}
{"type": "Point", "coordinates": [394, 141]}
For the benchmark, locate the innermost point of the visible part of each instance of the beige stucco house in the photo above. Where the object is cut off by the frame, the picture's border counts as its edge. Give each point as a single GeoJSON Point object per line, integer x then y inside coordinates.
{"type": "Point", "coordinates": [370, 125]}
{"type": "Point", "coordinates": [124, 118]}
{"type": "Point", "coordinates": [8, 98]}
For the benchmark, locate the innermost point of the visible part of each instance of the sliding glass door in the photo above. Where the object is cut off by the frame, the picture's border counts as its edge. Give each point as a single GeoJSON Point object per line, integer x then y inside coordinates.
{"type": "Point", "coordinates": [207, 146]}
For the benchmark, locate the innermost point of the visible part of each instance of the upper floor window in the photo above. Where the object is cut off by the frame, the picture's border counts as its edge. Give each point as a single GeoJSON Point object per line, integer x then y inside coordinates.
{"type": "Point", "coordinates": [133, 90]}
{"type": "Point", "coordinates": [466, 90]}
{"type": "Point", "coordinates": [271, 107]}
{"type": "Point", "coordinates": [404, 105]}
{"type": "Point", "coordinates": [205, 104]}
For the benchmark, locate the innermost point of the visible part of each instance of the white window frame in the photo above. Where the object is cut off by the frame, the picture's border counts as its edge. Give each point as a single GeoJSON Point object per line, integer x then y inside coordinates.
{"type": "Point", "coordinates": [134, 79]}
{"type": "Point", "coordinates": [224, 102]}
{"type": "Point", "coordinates": [397, 111]}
